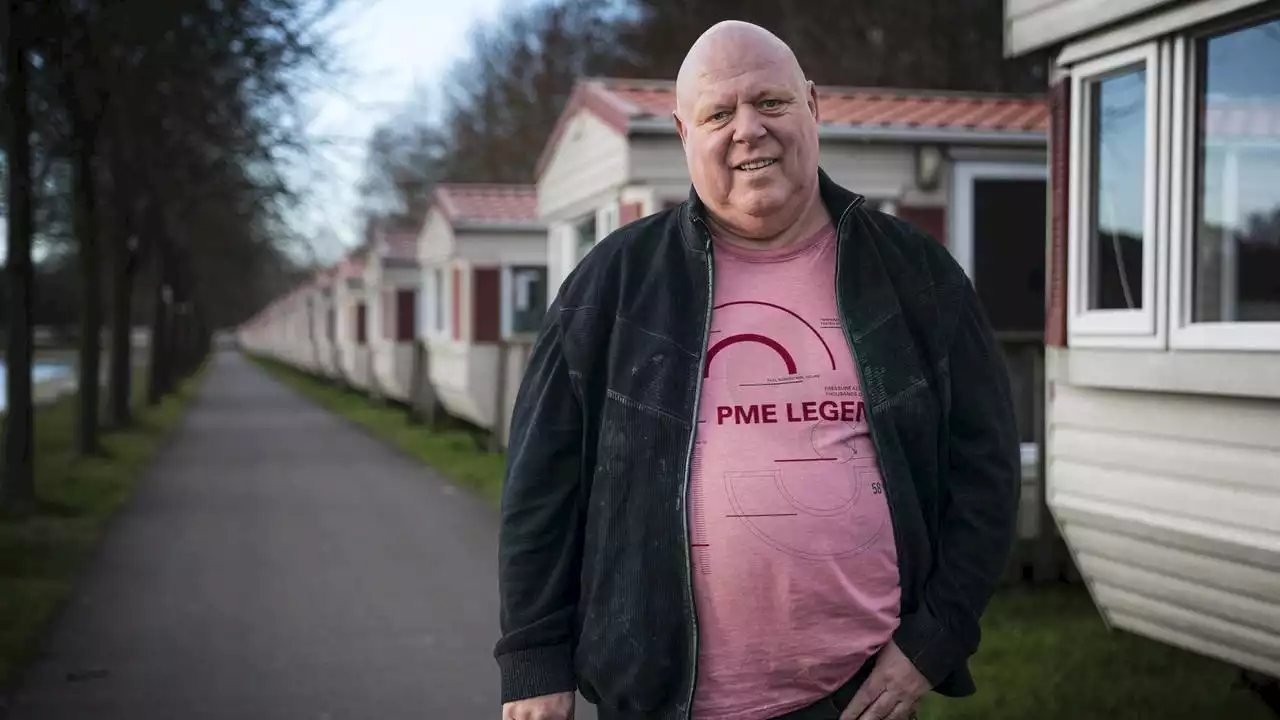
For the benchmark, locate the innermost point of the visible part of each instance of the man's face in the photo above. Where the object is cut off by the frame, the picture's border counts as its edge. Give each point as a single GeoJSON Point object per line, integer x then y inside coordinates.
{"type": "Point", "coordinates": [749, 124]}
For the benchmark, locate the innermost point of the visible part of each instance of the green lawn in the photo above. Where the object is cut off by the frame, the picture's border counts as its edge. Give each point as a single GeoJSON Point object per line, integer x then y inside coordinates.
{"type": "Point", "coordinates": [1046, 654]}
{"type": "Point", "coordinates": [41, 557]}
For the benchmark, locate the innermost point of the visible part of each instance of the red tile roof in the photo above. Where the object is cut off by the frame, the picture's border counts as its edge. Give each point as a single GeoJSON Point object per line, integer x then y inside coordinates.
{"type": "Point", "coordinates": [620, 102]}
{"type": "Point", "coordinates": [875, 107]}
{"type": "Point", "coordinates": [401, 245]}
{"type": "Point", "coordinates": [482, 203]}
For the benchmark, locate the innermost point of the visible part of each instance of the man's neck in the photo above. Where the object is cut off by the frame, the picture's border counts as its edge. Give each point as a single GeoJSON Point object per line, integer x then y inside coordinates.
{"type": "Point", "coordinates": [813, 219]}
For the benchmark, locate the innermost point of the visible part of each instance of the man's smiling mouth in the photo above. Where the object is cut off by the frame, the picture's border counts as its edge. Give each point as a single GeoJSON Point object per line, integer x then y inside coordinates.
{"type": "Point", "coordinates": [755, 165]}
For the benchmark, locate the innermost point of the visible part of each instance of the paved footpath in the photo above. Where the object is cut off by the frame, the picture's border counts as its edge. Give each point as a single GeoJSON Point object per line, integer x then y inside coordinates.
{"type": "Point", "coordinates": [279, 564]}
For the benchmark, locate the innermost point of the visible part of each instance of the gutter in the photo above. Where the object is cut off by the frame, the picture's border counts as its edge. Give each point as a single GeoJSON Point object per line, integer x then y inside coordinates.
{"type": "Point", "coordinates": [500, 226]}
{"type": "Point", "coordinates": [1031, 138]}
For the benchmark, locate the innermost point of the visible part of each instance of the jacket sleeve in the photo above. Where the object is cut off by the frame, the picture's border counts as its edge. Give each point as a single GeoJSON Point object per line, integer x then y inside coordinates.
{"type": "Point", "coordinates": [978, 518]}
{"type": "Point", "coordinates": [539, 544]}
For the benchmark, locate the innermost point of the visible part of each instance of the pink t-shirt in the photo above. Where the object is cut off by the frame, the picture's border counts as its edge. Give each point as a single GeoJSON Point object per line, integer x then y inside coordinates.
{"type": "Point", "coordinates": [795, 572]}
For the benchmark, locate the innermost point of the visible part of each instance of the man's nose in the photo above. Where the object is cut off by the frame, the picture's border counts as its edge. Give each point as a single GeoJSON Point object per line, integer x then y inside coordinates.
{"type": "Point", "coordinates": [748, 126]}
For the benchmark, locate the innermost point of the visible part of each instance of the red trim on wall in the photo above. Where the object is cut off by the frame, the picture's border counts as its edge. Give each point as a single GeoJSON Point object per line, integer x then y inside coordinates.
{"type": "Point", "coordinates": [628, 212]}
{"type": "Point", "coordinates": [406, 314]}
{"type": "Point", "coordinates": [486, 293]}
{"type": "Point", "coordinates": [457, 303]}
{"type": "Point", "coordinates": [1055, 329]}
{"type": "Point", "coordinates": [932, 220]}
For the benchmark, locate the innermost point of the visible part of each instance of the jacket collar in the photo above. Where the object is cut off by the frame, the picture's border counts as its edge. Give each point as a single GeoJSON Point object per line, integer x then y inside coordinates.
{"type": "Point", "coordinates": [837, 199]}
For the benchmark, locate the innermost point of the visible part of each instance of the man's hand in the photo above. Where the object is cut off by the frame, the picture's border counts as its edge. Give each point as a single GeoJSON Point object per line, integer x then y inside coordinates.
{"type": "Point", "coordinates": [546, 707]}
{"type": "Point", "coordinates": [891, 692]}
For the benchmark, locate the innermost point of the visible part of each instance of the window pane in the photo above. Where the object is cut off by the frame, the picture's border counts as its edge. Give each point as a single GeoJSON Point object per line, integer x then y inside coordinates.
{"type": "Point", "coordinates": [1118, 163]}
{"type": "Point", "coordinates": [586, 235]}
{"type": "Point", "coordinates": [1236, 251]}
{"type": "Point", "coordinates": [529, 298]}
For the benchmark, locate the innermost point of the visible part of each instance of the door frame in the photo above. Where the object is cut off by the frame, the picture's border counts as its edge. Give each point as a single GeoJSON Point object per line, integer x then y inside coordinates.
{"type": "Point", "coordinates": [960, 217]}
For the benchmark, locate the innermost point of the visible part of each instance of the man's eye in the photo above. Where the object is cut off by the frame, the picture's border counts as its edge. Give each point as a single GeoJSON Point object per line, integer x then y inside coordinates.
{"type": "Point", "coordinates": [719, 116]}
{"type": "Point", "coordinates": [770, 104]}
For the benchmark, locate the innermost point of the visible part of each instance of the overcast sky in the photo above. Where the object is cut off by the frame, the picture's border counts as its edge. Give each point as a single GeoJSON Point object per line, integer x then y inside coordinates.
{"type": "Point", "coordinates": [386, 47]}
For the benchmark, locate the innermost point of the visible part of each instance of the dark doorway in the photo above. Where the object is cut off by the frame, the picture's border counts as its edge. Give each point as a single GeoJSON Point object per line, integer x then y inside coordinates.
{"type": "Point", "coordinates": [1009, 275]}
{"type": "Point", "coordinates": [1009, 252]}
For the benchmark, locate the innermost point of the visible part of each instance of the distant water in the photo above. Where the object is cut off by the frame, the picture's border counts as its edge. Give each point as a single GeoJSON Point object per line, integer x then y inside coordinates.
{"type": "Point", "coordinates": [40, 372]}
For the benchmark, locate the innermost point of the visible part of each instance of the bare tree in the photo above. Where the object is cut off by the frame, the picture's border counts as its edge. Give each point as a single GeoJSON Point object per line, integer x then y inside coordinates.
{"type": "Point", "coordinates": [17, 485]}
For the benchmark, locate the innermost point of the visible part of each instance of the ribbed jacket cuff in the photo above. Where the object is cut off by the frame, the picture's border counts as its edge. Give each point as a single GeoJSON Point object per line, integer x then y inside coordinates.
{"type": "Point", "coordinates": [929, 646]}
{"type": "Point", "coordinates": [537, 671]}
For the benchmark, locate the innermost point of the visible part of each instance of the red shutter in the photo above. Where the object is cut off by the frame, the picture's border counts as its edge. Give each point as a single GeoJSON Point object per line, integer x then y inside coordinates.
{"type": "Point", "coordinates": [361, 330]}
{"type": "Point", "coordinates": [628, 212]}
{"type": "Point", "coordinates": [932, 220]}
{"type": "Point", "coordinates": [486, 310]}
{"type": "Point", "coordinates": [1055, 331]}
{"type": "Point", "coordinates": [406, 315]}
{"type": "Point", "coordinates": [457, 304]}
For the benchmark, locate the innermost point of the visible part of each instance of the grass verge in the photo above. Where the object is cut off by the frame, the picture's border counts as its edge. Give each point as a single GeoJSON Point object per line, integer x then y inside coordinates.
{"type": "Point", "coordinates": [42, 556]}
{"type": "Point", "coordinates": [1045, 652]}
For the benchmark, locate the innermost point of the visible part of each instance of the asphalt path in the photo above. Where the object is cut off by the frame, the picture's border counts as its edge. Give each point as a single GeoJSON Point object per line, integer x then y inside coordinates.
{"type": "Point", "coordinates": [277, 563]}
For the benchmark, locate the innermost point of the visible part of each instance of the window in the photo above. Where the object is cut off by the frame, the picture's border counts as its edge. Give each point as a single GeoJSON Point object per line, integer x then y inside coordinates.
{"type": "Point", "coordinates": [585, 234]}
{"type": "Point", "coordinates": [526, 298]}
{"type": "Point", "coordinates": [1114, 242]}
{"type": "Point", "coordinates": [1226, 292]}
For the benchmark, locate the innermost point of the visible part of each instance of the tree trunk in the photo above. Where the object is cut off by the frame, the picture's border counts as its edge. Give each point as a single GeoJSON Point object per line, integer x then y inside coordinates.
{"type": "Point", "coordinates": [86, 229]}
{"type": "Point", "coordinates": [120, 392]}
{"type": "Point", "coordinates": [17, 484]}
{"type": "Point", "coordinates": [160, 321]}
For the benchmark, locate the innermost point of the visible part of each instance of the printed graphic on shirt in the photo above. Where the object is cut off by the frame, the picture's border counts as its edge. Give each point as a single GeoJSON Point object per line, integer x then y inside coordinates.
{"type": "Point", "coordinates": [773, 371]}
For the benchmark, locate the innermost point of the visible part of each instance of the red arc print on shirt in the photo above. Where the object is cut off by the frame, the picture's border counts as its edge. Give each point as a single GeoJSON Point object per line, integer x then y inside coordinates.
{"type": "Point", "coordinates": [750, 337]}
{"type": "Point", "coordinates": [763, 340]}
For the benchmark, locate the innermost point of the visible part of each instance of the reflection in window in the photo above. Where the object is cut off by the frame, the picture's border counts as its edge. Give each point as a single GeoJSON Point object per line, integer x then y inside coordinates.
{"type": "Point", "coordinates": [528, 298]}
{"type": "Point", "coordinates": [1118, 120]}
{"type": "Point", "coordinates": [586, 231]}
{"type": "Point", "coordinates": [1236, 251]}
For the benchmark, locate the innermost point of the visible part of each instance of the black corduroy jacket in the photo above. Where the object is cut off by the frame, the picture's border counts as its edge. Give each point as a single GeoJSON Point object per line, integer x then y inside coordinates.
{"type": "Point", "coordinates": [595, 583]}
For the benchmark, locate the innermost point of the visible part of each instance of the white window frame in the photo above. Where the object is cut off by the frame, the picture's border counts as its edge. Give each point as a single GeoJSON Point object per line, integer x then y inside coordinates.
{"type": "Point", "coordinates": [1183, 333]}
{"type": "Point", "coordinates": [606, 220]}
{"type": "Point", "coordinates": [438, 302]}
{"type": "Point", "coordinates": [1145, 327]}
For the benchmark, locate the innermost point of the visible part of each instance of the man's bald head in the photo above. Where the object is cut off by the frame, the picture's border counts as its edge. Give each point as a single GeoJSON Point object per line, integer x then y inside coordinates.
{"type": "Point", "coordinates": [724, 47]}
{"type": "Point", "coordinates": [748, 120]}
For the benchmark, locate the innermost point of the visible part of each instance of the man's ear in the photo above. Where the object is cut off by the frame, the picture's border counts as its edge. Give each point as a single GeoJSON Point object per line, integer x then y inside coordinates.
{"type": "Point", "coordinates": [681, 130]}
{"type": "Point", "coordinates": [813, 101]}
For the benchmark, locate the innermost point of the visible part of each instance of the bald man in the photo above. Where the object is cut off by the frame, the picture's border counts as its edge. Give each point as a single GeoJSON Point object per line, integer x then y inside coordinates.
{"type": "Point", "coordinates": [764, 461]}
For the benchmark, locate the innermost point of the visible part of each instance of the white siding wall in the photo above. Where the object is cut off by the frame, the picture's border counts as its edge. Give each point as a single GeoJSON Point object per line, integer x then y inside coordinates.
{"type": "Point", "coordinates": [1169, 503]}
{"type": "Point", "coordinates": [879, 171]}
{"type": "Point", "coordinates": [590, 158]}
{"type": "Point", "coordinates": [491, 249]}
{"type": "Point", "coordinates": [1031, 24]}
{"type": "Point", "coordinates": [435, 243]}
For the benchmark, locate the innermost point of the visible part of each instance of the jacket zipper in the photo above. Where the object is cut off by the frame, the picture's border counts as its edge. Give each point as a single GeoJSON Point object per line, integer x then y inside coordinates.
{"type": "Point", "coordinates": [688, 469]}
{"type": "Point", "coordinates": [889, 487]}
